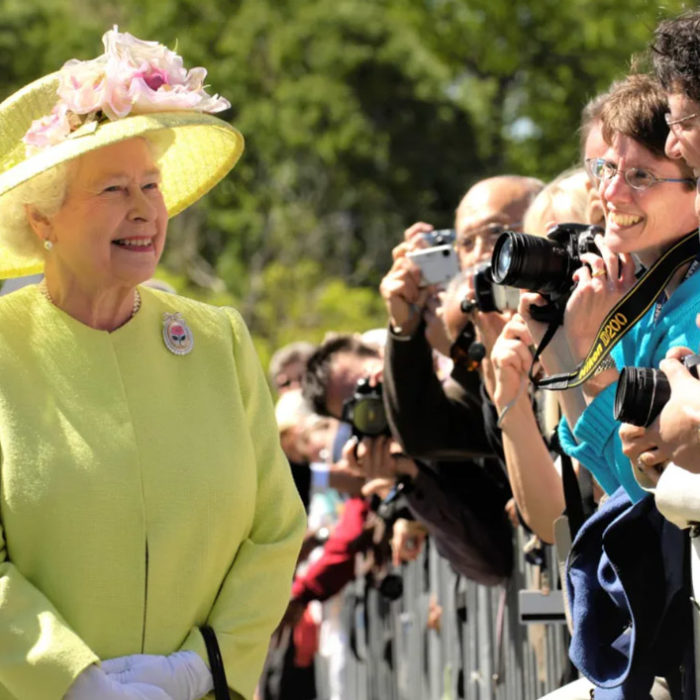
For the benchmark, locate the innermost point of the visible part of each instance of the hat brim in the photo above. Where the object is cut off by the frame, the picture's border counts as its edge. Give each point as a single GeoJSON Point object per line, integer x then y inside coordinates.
{"type": "Point", "coordinates": [196, 151]}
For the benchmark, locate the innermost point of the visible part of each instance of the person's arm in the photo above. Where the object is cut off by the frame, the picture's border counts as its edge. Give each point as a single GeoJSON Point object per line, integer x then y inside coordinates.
{"type": "Point", "coordinates": [536, 483]}
{"type": "Point", "coordinates": [255, 590]}
{"type": "Point", "coordinates": [464, 511]}
{"type": "Point", "coordinates": [675, 433]}
{"type": "Point", "coordinates": [461, 505]}
{"type": "Point", "coordinates": [429, 422]}
{"type": "Point", "coordinates": [336, 566]}
{"type": "Point", "coordinates": [40, 656]}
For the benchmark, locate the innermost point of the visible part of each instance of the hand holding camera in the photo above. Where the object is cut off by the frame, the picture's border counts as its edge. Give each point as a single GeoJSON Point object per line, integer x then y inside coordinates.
{"type": "Point", "coordinates": [511, 358]}
{"type": "Point", "coordinates": [661, 410]}
{"type": "Point", "coordinates": [600, 283]}
{"type": "Point", "coordinates": [403, 294]}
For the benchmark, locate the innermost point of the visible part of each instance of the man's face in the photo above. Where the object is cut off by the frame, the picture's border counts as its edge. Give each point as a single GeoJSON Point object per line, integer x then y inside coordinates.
{"type": "Point", "coordinates": [684, 136]}
{"type": "Point", "coordinates": [487, 210]}
{"type": "Point", "coordinates": [346, 370]}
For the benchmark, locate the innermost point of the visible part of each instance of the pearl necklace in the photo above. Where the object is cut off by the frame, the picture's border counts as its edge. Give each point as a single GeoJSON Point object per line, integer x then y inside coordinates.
{"type": "Point", "coordinates": [134, 309]}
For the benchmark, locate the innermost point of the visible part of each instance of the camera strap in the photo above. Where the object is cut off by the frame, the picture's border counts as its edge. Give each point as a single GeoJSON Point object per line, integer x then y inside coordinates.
{"type": "Point", "coordinates": [623, 316]}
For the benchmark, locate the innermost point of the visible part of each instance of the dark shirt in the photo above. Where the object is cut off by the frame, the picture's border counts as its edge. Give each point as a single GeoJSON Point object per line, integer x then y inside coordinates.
{"type": "Point", "coordinates": [463, 508]}
{"type": "Point", "coordinates": [431, 421]}
{"type": "Point", "coordinates": [463, 487]}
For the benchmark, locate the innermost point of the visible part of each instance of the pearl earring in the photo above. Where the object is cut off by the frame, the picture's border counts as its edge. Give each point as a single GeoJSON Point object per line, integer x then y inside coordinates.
{"type": "Point", "coordinates": [48, 244]}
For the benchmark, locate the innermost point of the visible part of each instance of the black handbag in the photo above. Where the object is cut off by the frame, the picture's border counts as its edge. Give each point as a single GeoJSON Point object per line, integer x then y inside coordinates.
{"type": "Point", "coordinates": [216, 663]}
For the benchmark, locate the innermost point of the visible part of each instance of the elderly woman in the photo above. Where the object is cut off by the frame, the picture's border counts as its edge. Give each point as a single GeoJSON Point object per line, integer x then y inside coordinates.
{"type": "Point", "coordinates": [150, 524]}
{"type": "Point", "coordinates": [625, 577]}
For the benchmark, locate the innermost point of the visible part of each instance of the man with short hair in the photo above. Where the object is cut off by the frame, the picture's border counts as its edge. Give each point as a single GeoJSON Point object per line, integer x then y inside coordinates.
{"type": "Point", "coordinates": [432, 420]}
{"type": "Point", "coordinates": [675, 51]}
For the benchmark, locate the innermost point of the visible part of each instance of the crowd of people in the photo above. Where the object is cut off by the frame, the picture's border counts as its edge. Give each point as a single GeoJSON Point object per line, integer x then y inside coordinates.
{"type": "Point", "coordinates": [569, 408]}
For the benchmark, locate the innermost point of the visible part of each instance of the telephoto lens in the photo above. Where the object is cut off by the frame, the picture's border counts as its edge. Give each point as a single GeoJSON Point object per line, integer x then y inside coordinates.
{"type": "Point", "coordinates": [642, 392]}
{"type": "Point", "coordinates": [543, 265]}
{"type": "Point", "coordinates": [531, 262]}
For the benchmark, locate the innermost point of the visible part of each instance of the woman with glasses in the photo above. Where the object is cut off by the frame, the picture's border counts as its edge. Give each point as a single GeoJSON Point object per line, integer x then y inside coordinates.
{"type": "Point", "coordinates": [648, 200]}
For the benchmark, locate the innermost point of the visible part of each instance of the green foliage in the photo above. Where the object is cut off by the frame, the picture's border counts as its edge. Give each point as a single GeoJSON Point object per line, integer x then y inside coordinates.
{"type": "Point", "coordinates": [360, 117]}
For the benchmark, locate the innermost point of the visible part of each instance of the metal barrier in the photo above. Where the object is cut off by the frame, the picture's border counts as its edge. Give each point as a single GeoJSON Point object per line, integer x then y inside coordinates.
{"type": "Point", "coordinates": [481, 652]}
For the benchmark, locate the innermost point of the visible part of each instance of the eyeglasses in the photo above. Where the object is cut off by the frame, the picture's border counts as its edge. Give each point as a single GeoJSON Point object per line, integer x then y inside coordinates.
{"type": "Point", "coordinates": [675, 122]}
{"type": "Point", "coordinates": [492, 230]}
{"type": "Point", "coordinates": [637, 178]}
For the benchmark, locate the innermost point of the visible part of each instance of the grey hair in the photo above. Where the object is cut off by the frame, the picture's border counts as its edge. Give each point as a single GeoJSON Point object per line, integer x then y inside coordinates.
{"type": "Point", "coordinates": [46, 193]}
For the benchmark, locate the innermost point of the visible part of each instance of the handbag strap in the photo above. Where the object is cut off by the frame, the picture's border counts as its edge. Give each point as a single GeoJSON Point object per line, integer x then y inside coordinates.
{"type": "Point", "coordinates": [216, 663]}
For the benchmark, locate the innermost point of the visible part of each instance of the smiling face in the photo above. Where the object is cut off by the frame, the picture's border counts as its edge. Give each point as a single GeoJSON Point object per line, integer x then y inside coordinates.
{"type": "Point", "coordinates": [644, 222]}
{"type": "Point", "coordinates": [111, 229]}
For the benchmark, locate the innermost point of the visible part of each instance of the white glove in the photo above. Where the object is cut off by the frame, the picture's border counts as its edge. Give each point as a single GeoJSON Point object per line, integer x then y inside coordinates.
{"type": "Point", "coordinates": [94, 683]}
{"type": "Point", "coordinates": [183, 674]}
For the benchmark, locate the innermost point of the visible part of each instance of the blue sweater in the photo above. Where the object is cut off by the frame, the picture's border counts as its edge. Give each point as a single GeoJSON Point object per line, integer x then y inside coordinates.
{"type": "Point", "coordinates": [595, 441]}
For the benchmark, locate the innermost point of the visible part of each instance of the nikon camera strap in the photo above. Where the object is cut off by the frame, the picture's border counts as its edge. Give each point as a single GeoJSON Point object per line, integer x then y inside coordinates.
{"type": "Point", "coordinates": [624, 314]}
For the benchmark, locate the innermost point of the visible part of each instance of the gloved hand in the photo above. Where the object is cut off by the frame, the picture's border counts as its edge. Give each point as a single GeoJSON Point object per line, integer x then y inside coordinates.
{"type": "Point", "coordinates": [94, 683]}
{"type": "Point", "coordinates": [183, 674]}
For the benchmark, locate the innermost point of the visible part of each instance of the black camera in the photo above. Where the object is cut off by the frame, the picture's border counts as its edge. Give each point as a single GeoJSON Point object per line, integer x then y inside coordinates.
{"type": "Point", "coordinates": [642, 392]}
{"type": "Point", "coordinates": [543, 264]}
{"type": "Point", "coordinates": [364, 410]}
{"type": "Point", "coordinates": [489, 296]}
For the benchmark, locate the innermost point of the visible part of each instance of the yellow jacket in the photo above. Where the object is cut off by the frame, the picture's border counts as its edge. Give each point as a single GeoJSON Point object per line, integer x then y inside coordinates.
{"type": "Point", "coordinates": [142, 493]}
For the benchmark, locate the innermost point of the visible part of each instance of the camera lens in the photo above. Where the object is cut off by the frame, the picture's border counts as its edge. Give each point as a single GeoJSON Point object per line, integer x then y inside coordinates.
{"type": "Point", "coordinates": [369, 416]}
{"type": "Point", "coordinates": [641, 394]}
{"type": "Point", "coordinates": [504, 259]}
{"type": "Point", "coordinates": [531, 262]}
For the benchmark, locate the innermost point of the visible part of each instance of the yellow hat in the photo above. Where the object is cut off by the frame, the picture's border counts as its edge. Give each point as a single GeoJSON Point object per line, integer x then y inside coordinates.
{"type": "Point", "coordinates": [136, 88]}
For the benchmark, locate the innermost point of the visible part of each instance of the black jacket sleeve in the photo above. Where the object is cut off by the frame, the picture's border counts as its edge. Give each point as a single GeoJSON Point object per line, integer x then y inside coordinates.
{"type": "Point", "coordinates": [431, 421]}
{"type": "Point", "coordinates": [463, 508]}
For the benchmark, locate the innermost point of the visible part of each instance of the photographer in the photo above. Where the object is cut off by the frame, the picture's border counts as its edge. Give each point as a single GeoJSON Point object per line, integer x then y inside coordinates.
{"type": "Point", "coordinates": [462, 508]}
{"type": "Point", "coordinates": [427, 417]}
{"type": "Point", "coordinates": [648, 204]}
{"type": "Point", "coordinates": [534, 478]}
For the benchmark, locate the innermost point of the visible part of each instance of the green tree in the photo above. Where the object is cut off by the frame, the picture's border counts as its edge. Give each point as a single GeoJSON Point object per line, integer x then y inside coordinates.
{"type": "Point", "coordinates": [360, 117]}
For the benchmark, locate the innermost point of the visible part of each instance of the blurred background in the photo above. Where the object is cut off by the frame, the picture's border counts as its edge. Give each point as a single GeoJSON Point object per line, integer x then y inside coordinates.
{"type": "Point", "coordinates": [360, 117]}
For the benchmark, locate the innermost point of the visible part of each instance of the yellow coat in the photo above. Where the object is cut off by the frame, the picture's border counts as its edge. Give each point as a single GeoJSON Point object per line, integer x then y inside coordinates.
{"type": "Point", "coordinates": [142, 493]}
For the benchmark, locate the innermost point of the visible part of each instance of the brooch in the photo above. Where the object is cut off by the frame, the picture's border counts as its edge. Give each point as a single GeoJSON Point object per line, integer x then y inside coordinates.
{"type": "Point", "coordinates": [177, 335]}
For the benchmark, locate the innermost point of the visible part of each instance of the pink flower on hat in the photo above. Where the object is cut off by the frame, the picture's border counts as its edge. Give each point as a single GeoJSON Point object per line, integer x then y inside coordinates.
{"type": "Point", "coordinates": [50, 130]}
{"type": "Point", "coordinates": [132, 77]}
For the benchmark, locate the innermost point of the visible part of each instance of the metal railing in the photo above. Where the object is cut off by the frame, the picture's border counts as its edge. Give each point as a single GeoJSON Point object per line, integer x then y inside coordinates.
{"type": "Point", "coordinates": [481, 651]}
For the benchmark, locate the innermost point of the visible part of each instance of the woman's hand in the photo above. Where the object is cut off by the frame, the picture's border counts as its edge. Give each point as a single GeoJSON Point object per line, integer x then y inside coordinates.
{"type": "Point", "coordinates": [600, 284]}
{"type": "Point", "coordinates": [182, 675]}
{"type": "Point", "coordinates": [94, 683]}
{"type": "Point", "coordinates": [511, 359]}
{"type": "Point", "coordinates": [674, 435]}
